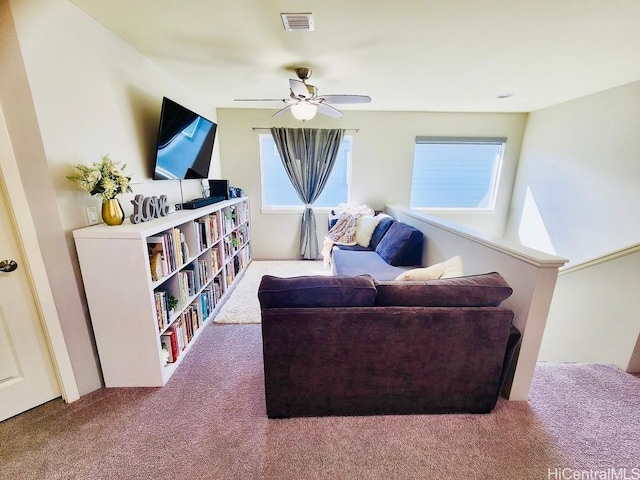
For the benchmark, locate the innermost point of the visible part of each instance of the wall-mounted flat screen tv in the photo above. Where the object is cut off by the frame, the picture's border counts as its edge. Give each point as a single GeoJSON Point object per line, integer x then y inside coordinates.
{"type": "Point", "coordinates": [185, 143]}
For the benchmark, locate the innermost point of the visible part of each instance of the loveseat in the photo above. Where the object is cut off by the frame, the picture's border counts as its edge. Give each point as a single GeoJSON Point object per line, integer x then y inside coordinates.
{"type": "Point", "coordinates": [392, 248]}
{"type": "Point", "coordinates": [350, 345]}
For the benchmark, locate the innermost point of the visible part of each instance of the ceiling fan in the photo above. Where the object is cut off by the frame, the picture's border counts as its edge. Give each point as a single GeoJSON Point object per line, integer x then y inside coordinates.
{"type": "Point", "coordinates": [304, 101]}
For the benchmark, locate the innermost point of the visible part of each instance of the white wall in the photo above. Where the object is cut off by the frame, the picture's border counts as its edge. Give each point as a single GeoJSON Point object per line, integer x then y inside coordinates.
{"type": "Point", "coordinates": [576, 195]}
{"type": "Point", "coordinates": [577, 189]}
{"type": "Point", "coordinates": [594, 315]}
{"type": "Point", "coordinates": [382, 161]}
{"type": "Point", "coordinates": [71, 92]}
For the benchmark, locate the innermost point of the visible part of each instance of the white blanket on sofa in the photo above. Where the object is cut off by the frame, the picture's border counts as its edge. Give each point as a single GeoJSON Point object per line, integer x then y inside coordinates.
{"type": "Point", "coordinates": [345, 229]}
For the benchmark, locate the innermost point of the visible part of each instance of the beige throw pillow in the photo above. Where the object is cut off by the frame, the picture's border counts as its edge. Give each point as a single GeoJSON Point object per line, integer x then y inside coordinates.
{"type": "Point", "coordinates": [447, 269]}
{"type": "Point", "coordinates": [453, 267]}
{"type": "Point", "coordinates": [428, 273]}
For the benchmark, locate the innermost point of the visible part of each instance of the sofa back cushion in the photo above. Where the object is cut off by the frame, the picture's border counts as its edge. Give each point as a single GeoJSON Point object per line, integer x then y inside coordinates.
{"type": "Point", "coordinates": [401, 245]}
{"type": "Point", "coordinates": [317, 291]}
{"type": "Point", "coordinates": [486, 290]}
{"type": "Point", "coordinates": [383, 226]}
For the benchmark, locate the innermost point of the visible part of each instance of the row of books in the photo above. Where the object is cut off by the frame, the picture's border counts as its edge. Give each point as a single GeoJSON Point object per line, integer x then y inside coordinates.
{"type": "Point", "coordinates": [192, 278]}
{"type": "Point", "coordinates": [242, 213]}
{"type": "Point", "coordinates": [205, 231]}
{"type": "Point", "coordinates": [234, 216]}
{"type": "Point", "coordinates": [230, 219]}
{"type": "Point", "coordinates": [235, 265]}
{"type": "Point", "coordinates": [178, 335]}
{"type": "Point", "coordinates": [175, 339]}
{"type": "Point", "coordinates": [239, 262]}
{"type": "Point", "coordinates": [228, 246]}
{"type": "Point", "coordinates": [242, 234]}
{"type": "Point", "coordinates": [211, 296]}
{"type": "Point", "coordinates": [165, 302]}
{"type": "Point", "coordinates": [163, 309]}
{"type": "Point", "coordinates": [235, 241]}
{"type": "Point", "coordinates": [216, 259]}
{"type": "Point", "coordinates": [167, 251]}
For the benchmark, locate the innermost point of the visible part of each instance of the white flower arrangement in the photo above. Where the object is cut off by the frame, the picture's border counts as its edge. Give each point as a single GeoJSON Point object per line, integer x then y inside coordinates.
{"type": "Point", "coordinates": [105, 179]}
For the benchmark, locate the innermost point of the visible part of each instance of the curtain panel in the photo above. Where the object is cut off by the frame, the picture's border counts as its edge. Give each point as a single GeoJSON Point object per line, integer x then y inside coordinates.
{"type": "Point", "coordinates": [308, 156]}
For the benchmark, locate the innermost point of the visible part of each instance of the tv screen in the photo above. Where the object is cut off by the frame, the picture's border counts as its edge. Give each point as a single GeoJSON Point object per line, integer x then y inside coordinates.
{"type": "Point", "coordinates": [185, 143]}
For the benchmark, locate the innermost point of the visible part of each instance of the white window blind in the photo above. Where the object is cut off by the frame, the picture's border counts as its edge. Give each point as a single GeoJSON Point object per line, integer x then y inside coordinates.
{"type": "Point", "coordinates": [456, 172]}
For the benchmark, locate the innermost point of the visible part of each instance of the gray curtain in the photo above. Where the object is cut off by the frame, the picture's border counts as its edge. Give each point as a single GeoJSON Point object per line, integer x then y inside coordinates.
{"type": "Point", "coordinates": [308, 156]}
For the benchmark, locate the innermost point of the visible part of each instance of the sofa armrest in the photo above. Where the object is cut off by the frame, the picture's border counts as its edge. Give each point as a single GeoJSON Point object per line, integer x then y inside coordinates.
{"type": "Point", "coordinates": [513, 344]}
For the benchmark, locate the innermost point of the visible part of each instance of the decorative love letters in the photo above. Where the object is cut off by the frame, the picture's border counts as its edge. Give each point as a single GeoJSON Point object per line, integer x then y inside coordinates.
{"type": "Point", "coordinates": [148, 208]}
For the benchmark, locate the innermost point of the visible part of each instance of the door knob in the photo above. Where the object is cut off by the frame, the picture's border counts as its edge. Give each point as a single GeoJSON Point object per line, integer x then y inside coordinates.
{"type": "Point", "coordinates": [8, 266]}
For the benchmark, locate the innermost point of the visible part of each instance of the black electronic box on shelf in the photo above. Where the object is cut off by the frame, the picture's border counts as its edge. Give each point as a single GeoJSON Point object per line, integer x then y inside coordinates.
{"type": "Point", "coordinates": [201, 202]}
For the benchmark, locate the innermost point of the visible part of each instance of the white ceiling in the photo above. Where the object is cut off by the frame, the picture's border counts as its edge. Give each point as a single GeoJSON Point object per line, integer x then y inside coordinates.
{"type": "Point", "coordinates": [421, 55]}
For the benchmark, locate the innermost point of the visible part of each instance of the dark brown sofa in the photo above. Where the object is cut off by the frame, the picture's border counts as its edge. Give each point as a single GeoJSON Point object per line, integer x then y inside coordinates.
{"type": "Point", "coordinates": [349, 345]}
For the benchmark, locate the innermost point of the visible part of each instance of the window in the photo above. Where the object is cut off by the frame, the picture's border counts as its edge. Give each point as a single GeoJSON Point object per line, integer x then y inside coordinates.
{"type": "Point", "coordinates": [277, 191]}
{"type": "Point", "coordinates": [456, 172]}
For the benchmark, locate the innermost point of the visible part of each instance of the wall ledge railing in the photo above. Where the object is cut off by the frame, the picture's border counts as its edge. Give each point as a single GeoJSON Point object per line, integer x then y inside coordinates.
{"type": "Point", "coordinates": [607, 257]}
{"type": "Point", "coordinates": [516, 250]}
{"type": "Point", "coordinates": [531, 274]}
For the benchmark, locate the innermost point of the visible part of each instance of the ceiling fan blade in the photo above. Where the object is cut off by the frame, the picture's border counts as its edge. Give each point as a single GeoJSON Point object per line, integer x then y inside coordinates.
{"type": "Point", "coordinates": [298, 88]}
{"type": "Point", "coordinates": [259, 100]}
{"type": "Point", "coordinates": [281, 111]}
{"type": "Point", "coordinates": [346, 98]}
{"type": "Point", "coordinates": [329, 111]}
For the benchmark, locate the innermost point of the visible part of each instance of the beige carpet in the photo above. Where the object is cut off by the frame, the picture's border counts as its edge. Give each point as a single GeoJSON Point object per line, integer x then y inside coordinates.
{"type": "Point", "coordinates": [209, 423]}
{"type": "Point", "coordinates": [242, 306]}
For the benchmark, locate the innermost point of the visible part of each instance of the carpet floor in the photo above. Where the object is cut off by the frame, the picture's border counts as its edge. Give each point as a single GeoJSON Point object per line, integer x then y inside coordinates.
{"type": "Point", "coordinates": [209, 422]}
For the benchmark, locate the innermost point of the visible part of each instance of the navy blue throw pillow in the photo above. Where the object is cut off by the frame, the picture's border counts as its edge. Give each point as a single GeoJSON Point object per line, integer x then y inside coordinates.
{"type": "Point", "coordinates": [401, 246]}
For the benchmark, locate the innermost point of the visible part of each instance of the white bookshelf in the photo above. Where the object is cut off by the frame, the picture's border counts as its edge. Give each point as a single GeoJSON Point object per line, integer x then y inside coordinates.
{"type": "Point", "coordinates": [121, 293]}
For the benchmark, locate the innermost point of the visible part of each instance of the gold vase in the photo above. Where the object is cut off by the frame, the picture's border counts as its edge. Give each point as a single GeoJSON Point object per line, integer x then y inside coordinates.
{"type": "Point", "coordinates": [112, 212]}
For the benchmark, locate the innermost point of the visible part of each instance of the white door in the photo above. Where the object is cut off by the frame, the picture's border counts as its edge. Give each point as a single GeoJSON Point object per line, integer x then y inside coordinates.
{"type": "Point", "coordinates": [27, 377]}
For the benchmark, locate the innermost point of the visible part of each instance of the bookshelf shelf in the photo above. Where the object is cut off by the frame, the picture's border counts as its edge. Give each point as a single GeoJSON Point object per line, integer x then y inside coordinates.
{"type": "Point", "coordinates": [130, 272]}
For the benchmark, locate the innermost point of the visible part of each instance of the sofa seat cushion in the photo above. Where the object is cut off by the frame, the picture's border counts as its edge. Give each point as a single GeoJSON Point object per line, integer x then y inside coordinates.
{"type": "Point", "coordinates": [348, 262]}
{"type": "Point", "coordinates": [353, 248]}
{"type": "Point", "coordinates": [485, 290]}
{"type": "Point", "coordinates": [401, 245]}
{"type": "Point", "coordinates": [316, 291]}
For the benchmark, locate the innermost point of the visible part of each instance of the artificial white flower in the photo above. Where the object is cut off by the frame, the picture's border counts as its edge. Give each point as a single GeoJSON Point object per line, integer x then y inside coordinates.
{"type": "Point", "coordinates": [105, 179]}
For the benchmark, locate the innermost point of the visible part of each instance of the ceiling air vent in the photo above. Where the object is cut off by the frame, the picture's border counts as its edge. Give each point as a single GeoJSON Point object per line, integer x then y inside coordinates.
{"type": "Point", "coordinates": [297, 22]}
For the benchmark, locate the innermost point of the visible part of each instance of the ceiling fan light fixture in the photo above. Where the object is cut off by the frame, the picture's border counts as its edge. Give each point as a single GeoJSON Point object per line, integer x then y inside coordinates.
{"type": "Point", "coordinates": [304, 111]}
